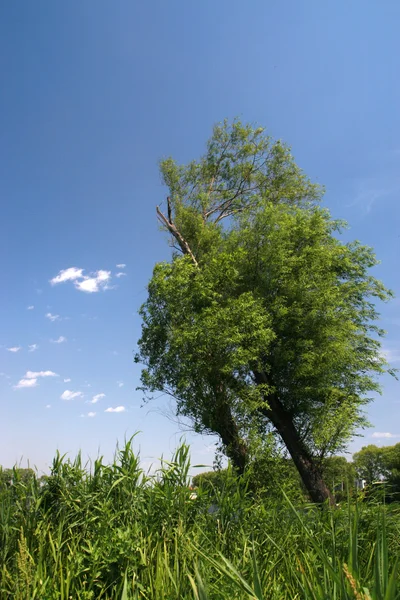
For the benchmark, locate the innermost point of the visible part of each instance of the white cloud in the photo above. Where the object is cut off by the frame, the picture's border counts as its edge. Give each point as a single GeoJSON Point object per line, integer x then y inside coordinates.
{"type": "Point", "coordinates": [60, 340]}
{"type": "Point", "coordinates": [115, 353]}
{"type": "Point", "coordinates": [88, 285]}
{"type": "Point", "coordinates": [380, 434]}
{"type": "Point", "coordinates": [91, 414]}
{"type": "Point", "coordinates": [14, 349]}
{"type": "Point", "coordinates": [67, 380]}
{"type": "Point", "coordinates": [68, 395]}
{"type": "Point", "coordinates": [94, 282]}
{"type": "Point", "coordinates": [71, 274]}
{"type": "Point", "coordinates": [48, 405]}
{"type": "Point", "coordinates": [52, 317]}
{"type": "Point", "coordinates": [120, 274]}
{"type": "Point", "coordinates": [26, 383]}
{"type": "Point", "coordinates": [117, 409]}
{"type": "Point", "coordinates": [30, 378]}
{"type": "Point", "coordinates": [31, 307]}
{"type": "Point", "coordinates": [120, 384]}
{"type": "Point", "coordinates": [96, 398]}
{"type": "Point", "coordinates": [36, 374]}
{"type": "Point", "coordinates": [121, 266]}
{"type": "Point", "coordinates": [32, 347]}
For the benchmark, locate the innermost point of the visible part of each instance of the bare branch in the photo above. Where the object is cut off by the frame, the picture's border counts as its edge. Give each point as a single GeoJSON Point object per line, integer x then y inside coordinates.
{"type": "Point", "coordinates": [169, 224]}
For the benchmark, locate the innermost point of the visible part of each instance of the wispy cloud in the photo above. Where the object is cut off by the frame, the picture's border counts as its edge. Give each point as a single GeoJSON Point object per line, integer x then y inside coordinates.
{"type": "Point", "coordinates": [14, 349]}
{"type": "Point", "coordinates": [385, 434]}
{"type": "Point", "coordinates": [25, 383]}
{"type": "Point", "coordinates": [94, 282]}
{"type": "Point", "coordinates": [71, 274]}
{"type": "Point", "coordinates": [117, 409]}
{"type": "Point", "coordinates": [31, 307]}
{"type": "Point", "coordinates": [121, 266]}
{"type": "Point", "coordinates": [59, 340]}
{"type": "Point", "coordinates": [120, 274]}
{"type": "Point", "coordinates": [392, 355]}
{"type": "Point", "coordinates": [30, 378]}
{"type": "Point", "coordinates": [120, 384]}
{"type": "Point", "coordinates": [68, 395]}
{"type": "Point", "coordinates": [370, 191]}
{"type": "Point", "coordinates": [89, 414]}
{"type": "Point", "coordinates": [96, 398]}
{"type": "Point", "coordinates": [48, 405]}
{"type": "Point", "coordinates": [67, 380]}
{"type": "Point", "coordinates": [51, 317]}
{"type": "Point", "coordinates": [36, 374]}
{"type": "Point", "coordinates": [32, 347]}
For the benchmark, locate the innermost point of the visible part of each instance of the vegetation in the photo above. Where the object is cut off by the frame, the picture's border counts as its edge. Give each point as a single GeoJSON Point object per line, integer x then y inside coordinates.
{"type": "Point", "coordinates": [113, 532]}
{"type": "Point", "coordinates": [374, 464]}
{"type": "Point", "coordinates": [264, 321]}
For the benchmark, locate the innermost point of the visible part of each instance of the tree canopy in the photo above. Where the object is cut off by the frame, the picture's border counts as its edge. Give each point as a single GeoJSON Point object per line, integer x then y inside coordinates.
{"type": "Point", "coordinates": [263, 320]}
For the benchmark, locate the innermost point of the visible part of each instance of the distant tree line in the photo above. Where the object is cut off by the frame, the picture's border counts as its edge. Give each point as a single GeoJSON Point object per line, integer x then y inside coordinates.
{"type": "Point", "coordinates": [12, 476]}
{"type": "Point", "coordinates": [372, 465]}
{"type": "Point", "coordinates": [270, 474]}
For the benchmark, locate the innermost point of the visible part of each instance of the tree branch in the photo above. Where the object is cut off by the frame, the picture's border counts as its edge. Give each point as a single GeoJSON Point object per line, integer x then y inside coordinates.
{"type": "Point", "coordinates": [170, 225]}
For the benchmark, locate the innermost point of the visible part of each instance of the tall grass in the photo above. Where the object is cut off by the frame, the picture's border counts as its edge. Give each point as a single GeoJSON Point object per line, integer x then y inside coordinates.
{"type": "Point", "coordinates": [112, 531]}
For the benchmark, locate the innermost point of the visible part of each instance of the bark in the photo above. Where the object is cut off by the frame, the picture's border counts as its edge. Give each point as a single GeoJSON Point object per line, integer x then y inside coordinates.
{"type": "Point", "coordinates": [310, 472]}
{"type": "Point", "coordinates": [225, 425]}
{"type": "Point", "coordinates": [236, 448]}
{"type": "Point", "coordinates": [170, 225]}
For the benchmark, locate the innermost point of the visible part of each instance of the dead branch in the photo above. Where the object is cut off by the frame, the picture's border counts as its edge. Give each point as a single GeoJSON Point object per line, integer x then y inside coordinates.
{"type": "Point", "coordinates": [170, 225]}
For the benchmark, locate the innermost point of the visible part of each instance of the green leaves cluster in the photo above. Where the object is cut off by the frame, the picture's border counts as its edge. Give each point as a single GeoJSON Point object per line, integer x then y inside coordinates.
{"type": "Point", "coordinates": [374, 463]}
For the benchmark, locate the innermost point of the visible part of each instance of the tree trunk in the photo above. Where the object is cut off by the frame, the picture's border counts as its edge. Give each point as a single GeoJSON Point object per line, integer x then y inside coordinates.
{"type": "Point", "coordinates": [225, 425]}
{"type": "Point", "coordinates": [309, 471]}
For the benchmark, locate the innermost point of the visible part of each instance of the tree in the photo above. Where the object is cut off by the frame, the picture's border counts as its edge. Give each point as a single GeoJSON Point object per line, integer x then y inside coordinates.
{"type": "Point", "coordinates": [391, 458]}
{"type": "Point", "coordinates": [9, 477]}
{"type": "Point", "coordinates": [370, 463]}
{"type": "Point", "coordinates": [263, 321]}
{"type": "Point", "coordinates": [339, 475]}
{"type": "Point", "coordinates": [209, 480]}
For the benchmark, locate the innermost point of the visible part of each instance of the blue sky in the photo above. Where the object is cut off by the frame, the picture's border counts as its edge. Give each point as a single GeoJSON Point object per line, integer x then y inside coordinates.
{"type": "Point", "coordinates": [93, 95]}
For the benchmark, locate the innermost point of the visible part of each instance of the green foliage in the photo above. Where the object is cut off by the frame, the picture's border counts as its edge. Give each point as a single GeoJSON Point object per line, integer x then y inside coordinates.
{"type": "Point", "coordinates": [108, 531]}
{"type": "Point", "coordinates": [340, 476]}
{"type": "Point", "coordinates": [210, 480]}
{"type": "Point", "coordinates": [392, 464]}
{"type": "Point", "coordinates": [380, 465]}
{"type": "Point", "coordinates": [370, 463]}
{"type": "Point", "coordinates": [267, 316]}
{"type": "Point", "coordinates": [15, 476]}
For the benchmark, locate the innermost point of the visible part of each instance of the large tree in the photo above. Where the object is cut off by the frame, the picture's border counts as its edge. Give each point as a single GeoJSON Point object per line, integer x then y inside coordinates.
{"type": "Point", "coordinates": [263, 320]}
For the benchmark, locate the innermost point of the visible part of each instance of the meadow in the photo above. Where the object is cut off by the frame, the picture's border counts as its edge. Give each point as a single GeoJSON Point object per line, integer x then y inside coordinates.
{"type": "Point", "coordinates": [111, 531]}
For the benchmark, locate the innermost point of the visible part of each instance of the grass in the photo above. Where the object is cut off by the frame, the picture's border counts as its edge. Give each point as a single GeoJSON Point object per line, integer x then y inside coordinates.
{"type": "Point", "coordinates": [112, 532]}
